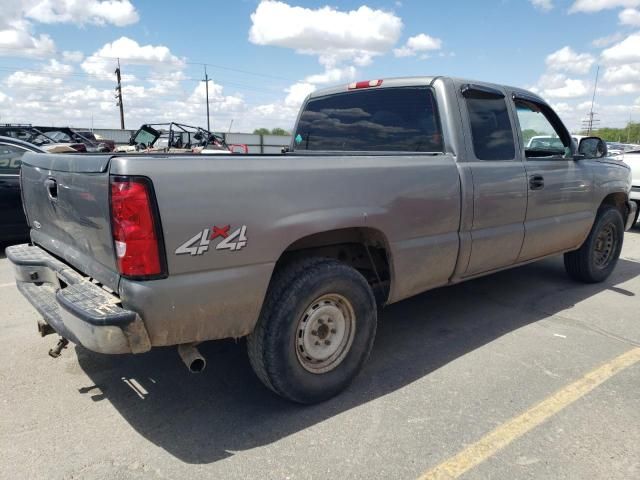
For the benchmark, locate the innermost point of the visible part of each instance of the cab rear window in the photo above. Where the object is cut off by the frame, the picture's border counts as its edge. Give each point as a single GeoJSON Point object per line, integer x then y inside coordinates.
{"type": "Point", "coordinates": [401, 119]}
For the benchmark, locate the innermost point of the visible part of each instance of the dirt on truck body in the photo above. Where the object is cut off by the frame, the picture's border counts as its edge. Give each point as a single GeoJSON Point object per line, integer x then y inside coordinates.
{"type": "Point", "coordinates": [390, 188]}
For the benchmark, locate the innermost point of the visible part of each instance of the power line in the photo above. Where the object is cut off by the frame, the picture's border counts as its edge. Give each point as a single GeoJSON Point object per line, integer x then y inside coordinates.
{"type": "Point", "coordinates": [143, 62]}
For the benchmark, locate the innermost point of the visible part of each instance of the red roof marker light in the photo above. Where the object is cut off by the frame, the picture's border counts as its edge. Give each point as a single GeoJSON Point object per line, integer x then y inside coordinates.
{"type": "Point", "coordinates": [365, 84]}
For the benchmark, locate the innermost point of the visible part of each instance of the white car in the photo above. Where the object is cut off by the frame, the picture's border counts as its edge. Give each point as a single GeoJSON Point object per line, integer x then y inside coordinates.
{"type": "Point", "coordinates": [633, 160]}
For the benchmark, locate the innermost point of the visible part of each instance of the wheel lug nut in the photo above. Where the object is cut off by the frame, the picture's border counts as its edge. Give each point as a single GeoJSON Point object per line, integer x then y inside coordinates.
{"type": "Point", "coordinates": [314, 333]}
{"type": "Point", "coordinates": [327, 342]}
{"type": "Point", "coordinates": [317, 343]}
{"type": "Point", "coordinates": [333, 330]}
{"type": "Point", "coordinates": [320, 321]}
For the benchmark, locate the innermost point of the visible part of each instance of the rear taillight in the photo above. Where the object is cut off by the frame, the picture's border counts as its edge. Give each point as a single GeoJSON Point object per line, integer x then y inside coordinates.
{"type": "Point", "coordinates": [136, 233]}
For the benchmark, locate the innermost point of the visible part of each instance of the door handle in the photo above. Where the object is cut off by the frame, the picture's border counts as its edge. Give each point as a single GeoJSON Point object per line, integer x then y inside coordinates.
{"type": "Point", "coordinates": [52, 189]}
{"type": "Point", "coordinates": [536, 182]}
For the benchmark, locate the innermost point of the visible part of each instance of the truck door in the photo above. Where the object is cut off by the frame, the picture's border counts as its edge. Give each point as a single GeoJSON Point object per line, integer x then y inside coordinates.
{"type": "Point", "coordinates": [560, 204]}
{"type": "Point", "coordinates": [499, 179]}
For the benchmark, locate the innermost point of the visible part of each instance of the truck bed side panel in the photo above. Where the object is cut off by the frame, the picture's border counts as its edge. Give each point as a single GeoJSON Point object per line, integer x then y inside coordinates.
{"type": "Point", "coordinates": [413, 200]}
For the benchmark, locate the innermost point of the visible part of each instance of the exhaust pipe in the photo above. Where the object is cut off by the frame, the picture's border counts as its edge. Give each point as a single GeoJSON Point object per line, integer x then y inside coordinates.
{"type": "Point", "coordinates": [191, 357]}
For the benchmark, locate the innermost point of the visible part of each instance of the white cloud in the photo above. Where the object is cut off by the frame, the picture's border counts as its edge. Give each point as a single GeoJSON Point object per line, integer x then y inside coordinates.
{"type": "Point", "coordinates": [559, 86]}
{"type": "Point", "coordinates": [626, 51]}
{"type": "Point", "coordinates": [17, 17]}
{"type": "Point", "coordinates": [57, 68]}
{"type": "Point", "coordinates": [26, 80]}
{"type": "Point", "coordinates": [544, 5]}
{"type": "Point", "coordinates": [626, 73]}
{"type": "Point", "coordinates": [74, 56]}
{"type": "Point", "coordinates": [102, 63]}
{"type": "Point", "coordinates": [17, 39]}
{"type": "Point", "coordinates": [568, 60]}
{"type": "Point", "coordinates": [116, 12]}
{"type": "Point", "coordinates": [630, 16]}
{"type": "Point", "coordinates": [602, 42]}
{"type": "Point", "coordinates": [297, 93]}
{"type": "Point", "coordinates": [332, 75]}
{"type": "Point", "coordinates": [218, 101]}
{"type": "Point", "coordinates": [420, 43]}
{"type": "Point", "coordinates": [590, 6]}
{"type": "Point", "coordinates": [334, 36]}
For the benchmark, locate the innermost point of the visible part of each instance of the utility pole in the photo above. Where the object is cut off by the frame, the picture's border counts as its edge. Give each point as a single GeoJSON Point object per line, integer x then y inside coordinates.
{"type": "Point", "coordinates": [589, 122]}
{"type": "Point", "coordinates": [119, 95]}
{"type": "Point", "coordinates": [206, 87]}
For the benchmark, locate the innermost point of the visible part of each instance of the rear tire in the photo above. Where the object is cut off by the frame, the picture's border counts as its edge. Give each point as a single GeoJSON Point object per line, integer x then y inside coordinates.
{"type": "Point", "coordinates": [594, 261]}
{"type": "Point", "coordinates": [315, 331]}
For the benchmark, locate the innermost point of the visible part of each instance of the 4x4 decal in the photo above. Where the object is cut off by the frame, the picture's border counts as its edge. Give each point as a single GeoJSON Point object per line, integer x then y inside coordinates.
{"type": "Point", "coordinates": [200, 242]}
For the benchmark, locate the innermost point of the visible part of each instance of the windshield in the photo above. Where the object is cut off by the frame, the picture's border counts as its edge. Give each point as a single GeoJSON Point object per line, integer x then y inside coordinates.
{"type": "Point", "coordinates": [145, 136]}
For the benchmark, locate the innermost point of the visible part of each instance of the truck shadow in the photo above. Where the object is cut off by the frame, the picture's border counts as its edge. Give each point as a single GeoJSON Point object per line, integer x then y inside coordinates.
{"type": "Point", "coordinates": [204, 418]}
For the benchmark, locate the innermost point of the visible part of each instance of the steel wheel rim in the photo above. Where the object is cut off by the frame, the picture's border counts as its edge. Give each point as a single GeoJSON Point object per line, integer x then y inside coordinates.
{"type": "Point", "coordinates": [324, 333]}
{"type": "Point", "coordinates": [606, 243]}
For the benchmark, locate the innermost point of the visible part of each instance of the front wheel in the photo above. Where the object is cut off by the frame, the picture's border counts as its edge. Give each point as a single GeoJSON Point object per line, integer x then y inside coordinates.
{"type": "Point", "coordinates": [315, 331]}
{"type": "Point", "coordinates": [594, 261]}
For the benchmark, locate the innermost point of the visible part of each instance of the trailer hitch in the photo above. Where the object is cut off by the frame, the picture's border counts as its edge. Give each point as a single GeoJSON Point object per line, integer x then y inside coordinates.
{"type": "Point", "coordinates": [57, 350]}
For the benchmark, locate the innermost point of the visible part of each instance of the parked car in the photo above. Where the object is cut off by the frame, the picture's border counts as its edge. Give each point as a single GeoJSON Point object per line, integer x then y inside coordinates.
{"type": "Point", "coordinates": [632, 159]}
{"type": "Point", "coordinates": [390, 188]}
{"type": "Point", "coordinates": [102, 143]}
{"type": "Point", "coordinates": [13, 224]}
{"type": "Point", "coordinates": [34, 136]}
{"type": "Point", "coordinates": [77, 138]}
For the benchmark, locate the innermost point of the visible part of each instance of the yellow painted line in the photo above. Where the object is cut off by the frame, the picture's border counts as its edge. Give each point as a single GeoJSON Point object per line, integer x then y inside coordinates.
{"type": "Point", "coordinates": [513, 429]}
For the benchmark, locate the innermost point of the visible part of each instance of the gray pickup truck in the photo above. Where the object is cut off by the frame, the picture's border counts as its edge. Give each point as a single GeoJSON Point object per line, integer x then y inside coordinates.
{"type": "Point", "coordinates": [389, 188]}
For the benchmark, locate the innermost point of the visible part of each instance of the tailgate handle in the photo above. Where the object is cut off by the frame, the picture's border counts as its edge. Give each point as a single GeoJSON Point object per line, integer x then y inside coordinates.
{"type": "Point", "coordinates": [52, 189]}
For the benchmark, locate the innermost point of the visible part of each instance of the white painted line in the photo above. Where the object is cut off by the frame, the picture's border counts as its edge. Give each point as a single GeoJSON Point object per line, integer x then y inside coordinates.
{"type": "Point", "coordinates": [12, 284]}
{"type": "Point", "coordinates": [558, 335]}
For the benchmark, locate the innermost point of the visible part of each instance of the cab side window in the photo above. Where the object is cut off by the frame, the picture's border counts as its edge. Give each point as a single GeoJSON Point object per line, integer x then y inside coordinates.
{"type": "Point", "coordinates": [491, 130]}
{"type": "Point", "coordinates": [10, 159]}
{"type": "Point", "coordinates": [541, 139]}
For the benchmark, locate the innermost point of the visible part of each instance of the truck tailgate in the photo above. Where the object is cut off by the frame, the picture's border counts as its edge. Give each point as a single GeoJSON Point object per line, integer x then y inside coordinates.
{"type": "Point", "coordinates": [66, 199]}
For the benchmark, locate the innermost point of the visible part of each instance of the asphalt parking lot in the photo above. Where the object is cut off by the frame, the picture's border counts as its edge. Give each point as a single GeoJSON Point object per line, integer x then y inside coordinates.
{"type": "Point", "coordinates": [523, 374]}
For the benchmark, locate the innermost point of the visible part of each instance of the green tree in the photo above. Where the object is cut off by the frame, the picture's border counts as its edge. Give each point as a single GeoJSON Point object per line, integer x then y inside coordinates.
{"type": "Point", "coordinates": [279, 131]}
{"type": "Point", "coordinates": [261, 131]}
{"type": "Point", "coordinates": [528, 134]}
{"type": "Point", "coordinates": [630, 133]}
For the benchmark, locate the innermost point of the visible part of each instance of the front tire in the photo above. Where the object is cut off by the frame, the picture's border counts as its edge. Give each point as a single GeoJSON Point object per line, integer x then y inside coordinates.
{"type": "Point", "coordinates": [594, 261]}
{"type": "Point", "coordinates": [315, 331]}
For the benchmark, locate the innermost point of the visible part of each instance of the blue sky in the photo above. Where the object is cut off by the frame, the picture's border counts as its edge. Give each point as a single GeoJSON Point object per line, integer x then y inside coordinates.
{"type": "Point", "coordinates": [57, 56]}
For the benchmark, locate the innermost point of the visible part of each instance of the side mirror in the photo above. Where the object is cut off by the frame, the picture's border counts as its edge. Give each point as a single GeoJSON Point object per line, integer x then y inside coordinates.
{"type": "Point", "coordinates": [592, 147]}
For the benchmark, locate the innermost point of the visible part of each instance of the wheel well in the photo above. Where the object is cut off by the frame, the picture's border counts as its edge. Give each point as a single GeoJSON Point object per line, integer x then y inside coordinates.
{"type": "Point", "coordinates": [617, 200]}
{"type": "Point", "coordinates": [365, 249]}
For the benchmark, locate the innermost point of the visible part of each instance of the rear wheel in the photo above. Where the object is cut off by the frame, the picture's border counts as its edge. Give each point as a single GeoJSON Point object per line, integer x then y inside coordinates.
{"type": "Point", "coordinates": [315, 330]}
{"type": "Point", "coordinates": [597, 257]}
